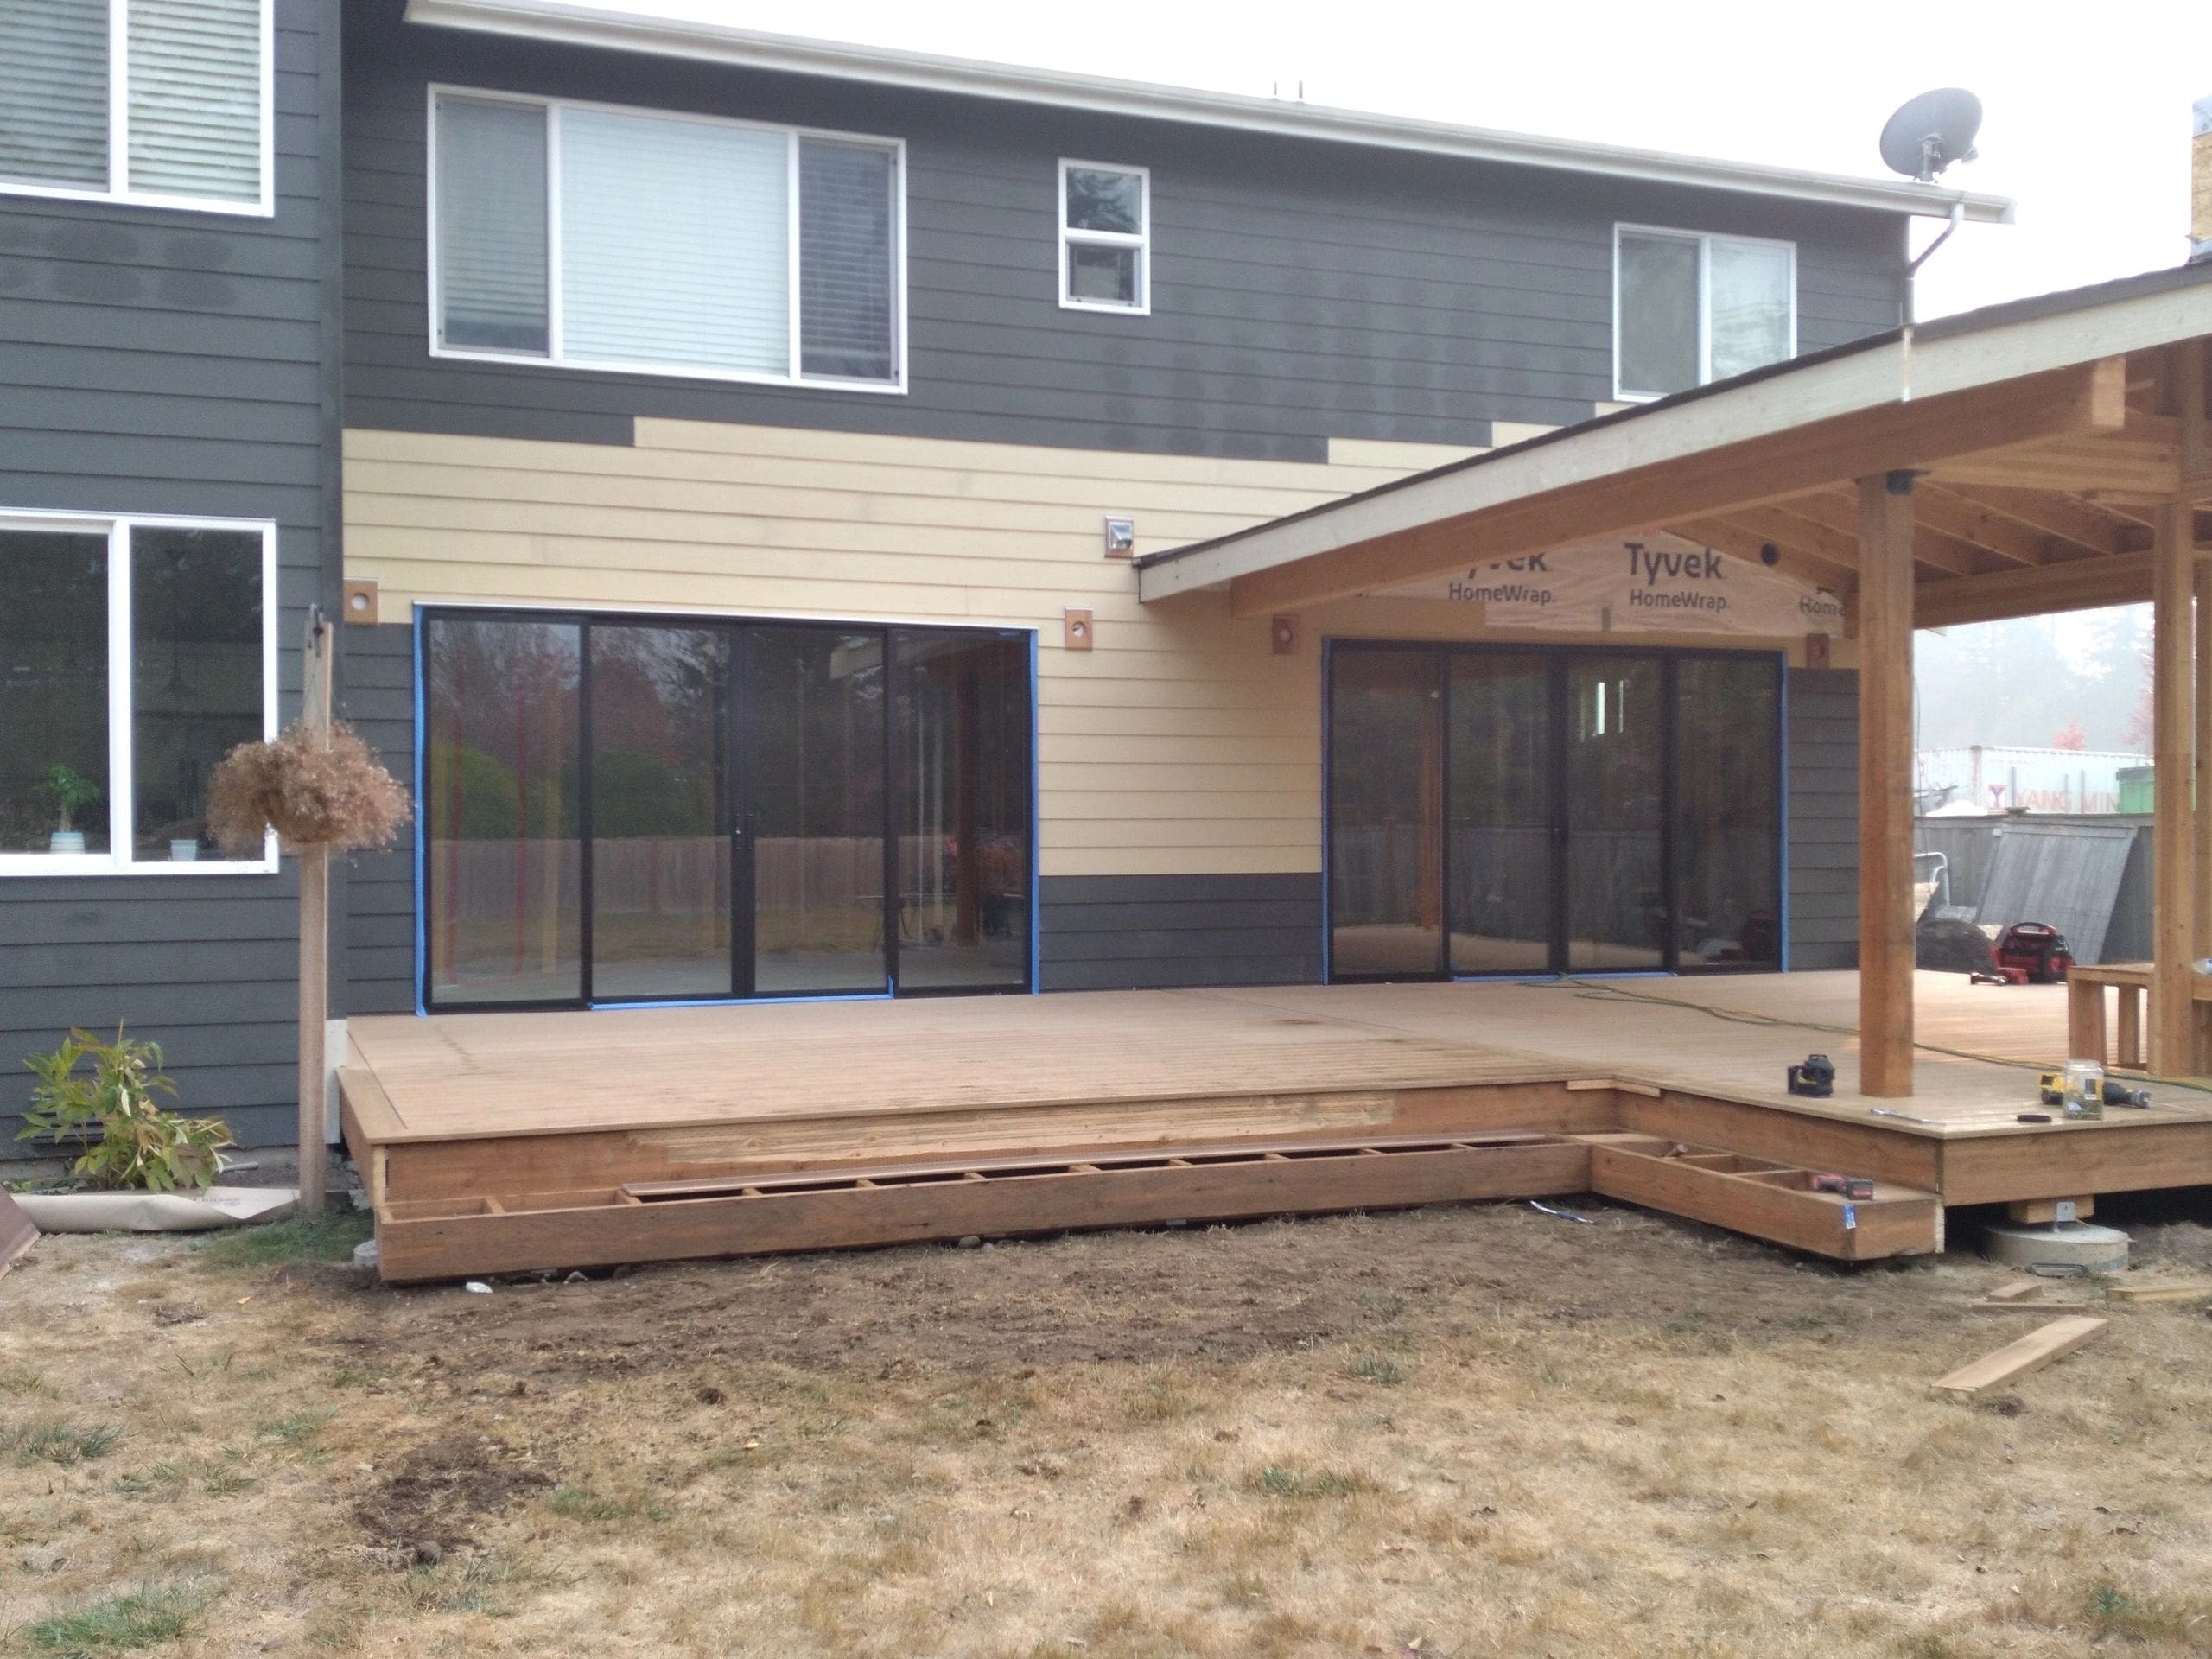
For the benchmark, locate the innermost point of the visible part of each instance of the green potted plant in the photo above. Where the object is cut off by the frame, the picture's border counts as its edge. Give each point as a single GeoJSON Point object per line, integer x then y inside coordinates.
{"type": "Point", "coordinates": [66, 792]}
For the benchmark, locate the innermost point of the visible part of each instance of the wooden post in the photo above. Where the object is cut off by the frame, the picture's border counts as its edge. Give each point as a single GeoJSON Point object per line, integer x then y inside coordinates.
{"type": "Point", "coordinates": [2173, 700]}
{"type": "Point", "coordinates": [2201, 841]}
{"type": "Point", "coordinates": [314, 932]}
{"type": "Point", "coordinates": [1886, 920]}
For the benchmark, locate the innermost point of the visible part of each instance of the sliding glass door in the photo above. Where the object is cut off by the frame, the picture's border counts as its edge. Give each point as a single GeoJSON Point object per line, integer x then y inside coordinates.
{"type": "Point", "coordinates": [662, 812]}
{"type": "Point", "coordinates": [1516, 810]}
{"type": "Point", "coordinates": [624, 809]}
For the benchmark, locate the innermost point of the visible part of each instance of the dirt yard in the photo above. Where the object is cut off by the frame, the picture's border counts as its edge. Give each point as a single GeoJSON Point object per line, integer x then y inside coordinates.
{"type": "Point", "coordinates": [1463, 1432]}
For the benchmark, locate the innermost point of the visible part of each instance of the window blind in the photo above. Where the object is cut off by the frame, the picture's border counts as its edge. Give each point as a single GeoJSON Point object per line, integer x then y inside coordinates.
{"type": "Point", "coordinates": [492, 261]}
{"type": "Point", "coordinates": [54, 92]}
{"type": "Point", "coordinates": [675, 242]}
{"type": "Point", "coordinates": [845, 260]}
{"type": "Point", "coordinates": [196, 98]}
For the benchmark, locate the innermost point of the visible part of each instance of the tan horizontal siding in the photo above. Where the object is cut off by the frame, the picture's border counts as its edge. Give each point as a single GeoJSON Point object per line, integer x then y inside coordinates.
{"type": "Point", "coordinates": [1180, 744]}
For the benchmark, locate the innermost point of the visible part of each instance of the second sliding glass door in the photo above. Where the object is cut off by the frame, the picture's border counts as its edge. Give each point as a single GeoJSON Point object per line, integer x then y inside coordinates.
{"type": "Point", "coordinates": [627, 810]}
{"type": "Point", "coordinates": [1520, 809]}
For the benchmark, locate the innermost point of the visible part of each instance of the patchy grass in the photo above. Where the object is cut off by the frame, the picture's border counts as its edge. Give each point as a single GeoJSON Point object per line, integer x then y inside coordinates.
{"type": "Point", "coordinates": [330, 1236]}
{"type": "Point", "coordinates": [1469, 1429]}
{"type": "Point", "coordinates": [1277, 1482]}
{"type": "Point", "coordinates": [65, 1444]}
{"type": "Point", "coordinates": [1372, 1367]}
{"type": "Point", "coordinates": [300, 1431]}
{"type": "Point", "coordinates": [120, 1624]}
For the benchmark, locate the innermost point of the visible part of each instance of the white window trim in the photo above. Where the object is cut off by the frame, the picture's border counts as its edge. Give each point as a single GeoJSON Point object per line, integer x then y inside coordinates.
{"type": "Point", "coordinates": [1705, 241]}
{"type": "Point", "coordinates": [119, 188]}
{"type": "Point", "coordinates": [120, 859]}
{"type": "Point", "coordinates": [554, 358]}
{"type": "Point", "coordinates": [1070, 236]}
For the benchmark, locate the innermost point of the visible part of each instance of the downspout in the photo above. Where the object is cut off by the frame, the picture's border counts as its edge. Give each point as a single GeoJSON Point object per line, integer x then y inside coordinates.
{"type": "Point", "coordinates": [1912, 317]}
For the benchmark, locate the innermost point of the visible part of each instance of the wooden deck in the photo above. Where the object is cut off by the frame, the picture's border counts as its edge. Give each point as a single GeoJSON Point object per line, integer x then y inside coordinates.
{"type": "Point", "coordinates": [539, 1112]}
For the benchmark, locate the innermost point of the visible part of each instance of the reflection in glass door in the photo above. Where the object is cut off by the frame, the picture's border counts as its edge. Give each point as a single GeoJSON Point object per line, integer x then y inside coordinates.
{"type": "Point", "coordinates": [1501, 812]}
{"type": "Point", "coordinates": [1616, 901]}
{"type": "Point", "coordinates": [502, 864]}
{"type": "Point", "coordinates": [661, 812]}
{"type": "Point", "coordinates": [628, 809]}
{"type": "Point", "coordinates": [1386, 865]}
{"type": "Point", "coordinates": [1566, 810]}
{"type": "Point", "coordinates": [1728, 789]}
{"type": "Point", "coordinates": [815, 769]}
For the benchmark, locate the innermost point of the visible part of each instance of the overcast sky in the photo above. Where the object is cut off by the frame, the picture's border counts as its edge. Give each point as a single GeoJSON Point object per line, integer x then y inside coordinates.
{"type": "Point", "coordinates": [2086, 106]}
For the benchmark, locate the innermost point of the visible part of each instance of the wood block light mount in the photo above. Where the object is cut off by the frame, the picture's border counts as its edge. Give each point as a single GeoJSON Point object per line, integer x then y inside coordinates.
{"type": "Point", "coordinates": [357, 602]}
{"type": "Point", "coordinates": [1076, 630]}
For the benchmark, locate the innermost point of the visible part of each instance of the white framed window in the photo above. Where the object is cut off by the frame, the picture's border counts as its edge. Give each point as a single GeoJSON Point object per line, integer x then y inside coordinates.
{"type": "Point", "coordinates": [590, 236]}
{"type": "Point", "coordinates": [1105, 237]}
{"type": "Point", "coordinates": [135, 653]}
{"type": "Point", "coordinates": [156, 102]}
{"type": "Point", "coordinates": [1689, 309]}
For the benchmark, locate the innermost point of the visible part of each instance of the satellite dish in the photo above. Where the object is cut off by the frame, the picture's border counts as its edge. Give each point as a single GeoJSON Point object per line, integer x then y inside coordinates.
{"type": "Point", "coordinates": [1930, 133]}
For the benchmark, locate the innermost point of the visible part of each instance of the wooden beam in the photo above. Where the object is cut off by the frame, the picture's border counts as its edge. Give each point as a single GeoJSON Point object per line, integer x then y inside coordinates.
{"type": "Point", "coordinates": [2087, 398]}
{"type": "Point", "coordinates": [2173, 905]}
{"type": "Point", "coordinates": [2089, 528]}
{"type": "Point", "coordinates": [2074, 585]}
{"type": "Point", "coordinates": [2121, 464]}
{"type": "Point", "coordinates": [1885, 958]}
{"type": "Point", "coordinates": [2006, 538]}
{"type": "Point", "coordinates": [2194, 421]}
{"type": "Point", "coordinates": [1841, 515]}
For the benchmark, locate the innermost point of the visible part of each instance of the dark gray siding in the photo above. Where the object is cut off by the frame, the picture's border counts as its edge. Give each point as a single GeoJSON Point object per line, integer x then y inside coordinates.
{"type": "Point", "coordinates": [1115, 932]}
{"type": "Point", "coordinates": [158, 361]}
{"type": "Point", "coordinates": [1301, 289]}
{"type": "Point", "coordinates": [1823, 740]}
{"type": "Point", "coordinates": [379, 701]}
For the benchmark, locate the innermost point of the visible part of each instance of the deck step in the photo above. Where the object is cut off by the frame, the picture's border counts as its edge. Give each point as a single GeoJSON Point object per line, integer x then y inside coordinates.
{"type": "Point", "coordinates": [660, 1221]}
{"type": "Point", "coordinates": [1768, 1200]}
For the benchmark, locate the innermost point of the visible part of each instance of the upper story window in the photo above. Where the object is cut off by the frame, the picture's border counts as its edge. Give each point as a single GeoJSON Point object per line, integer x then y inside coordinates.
{"type": "Point", "coordinates": [160, 103]}
{"type": "Point", "coordinates": [1105, 237]}
{"type": "Point", "coordinates": [1690, 308]}
{"type": "Point", "coordinates": [135, 653]}
{"type": "Point", "coordinates": [610, 238]}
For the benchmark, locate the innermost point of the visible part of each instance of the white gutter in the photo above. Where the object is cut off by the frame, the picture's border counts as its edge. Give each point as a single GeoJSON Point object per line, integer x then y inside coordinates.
{"type": "Point", "coordinates": [593, 25]}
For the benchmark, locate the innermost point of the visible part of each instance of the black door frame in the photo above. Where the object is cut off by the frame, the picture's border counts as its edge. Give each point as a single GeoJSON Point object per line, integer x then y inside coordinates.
{"type": "Point", "coordinates": [740, 632]}
{"type": "Point", "coordinates": [1558, 660]}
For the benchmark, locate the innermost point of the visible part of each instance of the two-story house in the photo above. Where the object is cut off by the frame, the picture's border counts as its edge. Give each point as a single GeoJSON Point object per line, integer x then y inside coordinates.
{"type": "Point", "coordinates": [745, 444]}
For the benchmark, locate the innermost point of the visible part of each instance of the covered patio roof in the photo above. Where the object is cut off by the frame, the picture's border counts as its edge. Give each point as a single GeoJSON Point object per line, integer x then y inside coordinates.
{"type": "Point", "coordinates": [2044, 435]}
{"type": "Point", "coordinates": [2047, 454]}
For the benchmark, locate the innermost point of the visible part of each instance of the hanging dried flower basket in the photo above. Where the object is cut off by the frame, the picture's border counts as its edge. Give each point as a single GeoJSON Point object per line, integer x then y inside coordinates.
{"type": "Point", "coordinates": [340, 797]}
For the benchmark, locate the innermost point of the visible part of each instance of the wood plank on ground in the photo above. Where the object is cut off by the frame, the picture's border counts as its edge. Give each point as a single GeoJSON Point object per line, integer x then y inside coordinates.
{"type": "Point", "coordinates": [2196, 1291]}
{"type": "Point", "coordinates": [16, 1232]}
{"type": "Point", "coordinates": [2017, 1359]}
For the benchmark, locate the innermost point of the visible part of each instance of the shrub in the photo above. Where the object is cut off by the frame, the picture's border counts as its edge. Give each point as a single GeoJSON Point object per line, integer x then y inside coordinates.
{"type": "Point", "coordinates": [124, 1138]}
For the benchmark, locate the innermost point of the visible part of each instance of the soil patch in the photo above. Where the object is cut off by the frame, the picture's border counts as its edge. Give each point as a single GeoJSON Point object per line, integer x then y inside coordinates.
{"type": "Point", "coordinates": [423, 1509]}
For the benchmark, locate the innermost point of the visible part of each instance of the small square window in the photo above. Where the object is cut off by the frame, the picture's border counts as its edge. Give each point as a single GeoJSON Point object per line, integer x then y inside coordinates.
{"type": "Point", "coordinates": [1105, 237]}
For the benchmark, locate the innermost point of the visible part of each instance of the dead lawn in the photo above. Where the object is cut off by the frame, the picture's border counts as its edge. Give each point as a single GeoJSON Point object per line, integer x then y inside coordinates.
{"type": "Point", "coordinates": [1467, 1431]}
